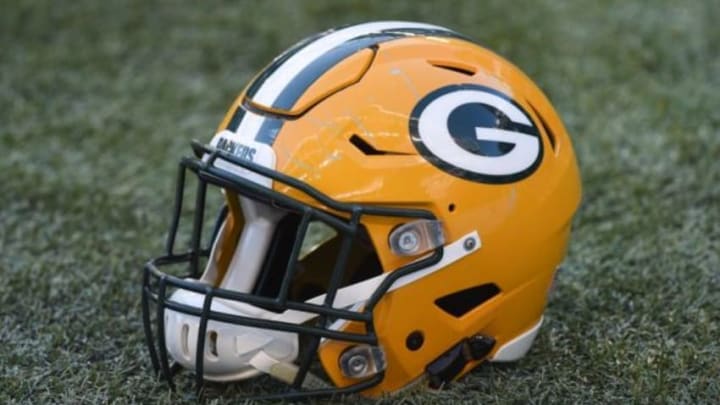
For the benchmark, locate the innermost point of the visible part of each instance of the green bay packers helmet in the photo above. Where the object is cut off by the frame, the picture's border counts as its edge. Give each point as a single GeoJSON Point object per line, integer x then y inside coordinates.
{"type": "Point", "coordinates": [395, 202]}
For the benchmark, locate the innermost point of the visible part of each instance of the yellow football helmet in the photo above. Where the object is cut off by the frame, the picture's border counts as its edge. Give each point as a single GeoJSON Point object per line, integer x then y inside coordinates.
{"type": "Point", "coordinates": [396, 199]}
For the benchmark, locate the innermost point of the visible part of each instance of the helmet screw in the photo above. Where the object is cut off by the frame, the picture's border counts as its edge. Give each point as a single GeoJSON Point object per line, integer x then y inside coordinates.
{"type": "Point", "coordinates": [409, 241]}
{"type": "Point", "coordinates": [357, 364]}
{"type": "Point", "coordinates": [469, 243]}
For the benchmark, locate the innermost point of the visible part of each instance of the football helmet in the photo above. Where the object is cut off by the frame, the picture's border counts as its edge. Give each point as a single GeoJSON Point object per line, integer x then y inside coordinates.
{"type": "Point", "coordinates": [392, 201]}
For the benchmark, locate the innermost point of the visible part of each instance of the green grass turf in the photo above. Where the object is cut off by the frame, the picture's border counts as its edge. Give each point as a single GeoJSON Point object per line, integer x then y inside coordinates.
{"type": "Point", "coordinates": [99, 99]}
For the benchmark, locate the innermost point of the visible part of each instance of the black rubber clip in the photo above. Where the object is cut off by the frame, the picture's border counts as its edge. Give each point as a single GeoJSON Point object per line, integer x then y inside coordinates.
{"type": "Point", "coordinates": [451, 363]}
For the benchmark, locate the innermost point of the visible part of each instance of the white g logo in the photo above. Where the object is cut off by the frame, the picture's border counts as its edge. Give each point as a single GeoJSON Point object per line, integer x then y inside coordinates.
{"type": "Point", "coordinates": [476, 133]}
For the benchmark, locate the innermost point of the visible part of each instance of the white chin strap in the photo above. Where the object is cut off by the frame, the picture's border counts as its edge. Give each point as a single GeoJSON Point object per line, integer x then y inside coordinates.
{"type": "Point", "coordinates": [236, 352]}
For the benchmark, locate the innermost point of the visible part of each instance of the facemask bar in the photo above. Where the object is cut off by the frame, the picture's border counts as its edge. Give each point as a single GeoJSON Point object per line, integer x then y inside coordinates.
{"type": "Point", "coordinates": [156, 283]}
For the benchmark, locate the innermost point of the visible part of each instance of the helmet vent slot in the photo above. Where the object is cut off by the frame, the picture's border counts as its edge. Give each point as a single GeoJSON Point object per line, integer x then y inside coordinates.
{"type": "Point", "coordinates": [369, 150]}
{"type": "Point", "coordinates": [184, 340]}
{"type": "Point", "coordinates": [461, 302]}
{"type": "Point", "coordinates": [546, 128]}
{"type": "Point", "coordinates": [453, 66]}
{"type": "Point", "coordinates": [212, 345]}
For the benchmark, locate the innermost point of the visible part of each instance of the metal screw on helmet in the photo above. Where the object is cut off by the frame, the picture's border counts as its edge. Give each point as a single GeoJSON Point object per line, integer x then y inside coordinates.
{"type": "Point", "coordinates": [409, 241]}
{"type": "Point", "coordinates": [469, 244]}
{"type": "Point", "coordinates": [362, 361]}
{"type": "Point", "coordinates": [416, 237]}
{"type": "Point", "coordinates": [358, 364]}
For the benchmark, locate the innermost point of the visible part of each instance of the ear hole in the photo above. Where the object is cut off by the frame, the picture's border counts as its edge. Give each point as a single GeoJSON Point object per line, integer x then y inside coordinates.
{"type": "Point", "coordinates": [414, 340]}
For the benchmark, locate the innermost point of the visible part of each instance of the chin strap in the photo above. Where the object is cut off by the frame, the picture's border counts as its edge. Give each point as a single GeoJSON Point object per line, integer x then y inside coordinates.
{"type": "Point", "coordinates": [284, 371]}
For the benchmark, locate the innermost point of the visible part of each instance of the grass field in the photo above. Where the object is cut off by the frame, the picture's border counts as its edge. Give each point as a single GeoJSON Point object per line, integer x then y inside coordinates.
{"type": "Point", "coordinates": [98, 100]}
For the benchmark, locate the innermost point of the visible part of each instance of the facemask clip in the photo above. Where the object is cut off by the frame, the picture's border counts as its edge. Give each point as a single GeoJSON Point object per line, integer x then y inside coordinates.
{"type": "Point", "coordinates": [416, 237]}
{"type": "Point", "coordinates": [362, 361]}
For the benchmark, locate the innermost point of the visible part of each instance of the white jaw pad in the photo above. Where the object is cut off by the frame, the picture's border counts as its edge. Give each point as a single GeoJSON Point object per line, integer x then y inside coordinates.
{"type": "Point", "coordinates": [228, 357]}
